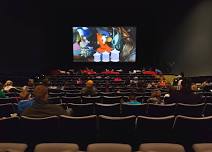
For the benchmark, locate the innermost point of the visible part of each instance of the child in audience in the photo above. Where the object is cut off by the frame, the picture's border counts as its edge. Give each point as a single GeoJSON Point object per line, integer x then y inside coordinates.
{"type": "Point", "coordinates": [132, 99]}
{"type": "Point", "coordinates": [155, 97]}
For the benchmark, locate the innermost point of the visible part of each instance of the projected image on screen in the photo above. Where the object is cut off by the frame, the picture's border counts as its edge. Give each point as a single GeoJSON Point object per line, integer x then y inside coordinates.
{"type": "Point", "coordinates": [104, 44]}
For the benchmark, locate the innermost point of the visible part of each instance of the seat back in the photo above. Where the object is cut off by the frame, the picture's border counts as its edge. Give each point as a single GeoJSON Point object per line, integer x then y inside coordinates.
{"type": "Point", "coordinates": [190, 130]}
{"type": "Point", "coordinates": [56, 147]}
{"type": "Point", "coordinates": [82, 109]}
{"type": "Point", "coordinates": [161, 147]}
{"type": "Point", "coordinates": [116, 129]}
{"type": "Point", "coordinates": [137, 110]}
{"type": "Point", "coordinates": [111, 100]}
{"type": "Point", "coordinates": [76, 100]}
{"type": "Point", "coordinates": [37, 130]}
{"type": "Point", "coordinates": [109, 147]}
{"type": "Point", "coordinates": [6, 110]}
{"type": "Point", "coordinates": [161, 110]}
{"type": "Point", "coordinates": [10, 129]}
{"type": "Point", "coordinates": [54, 100]}
{"type": "Point", "coordinates": [192, 110]}
{"type": "Point", "coordinates": [95, 99]}
{"type": "Point", "coordinates": [16, 147]}
{"type": "Point", "coordinates": [155, 129]}
{"type": "Point", "coordinates": [208, 109]}
{"type": "Point", "coordinates": [107, 109]}
{"type": "Point", "coordinates": [80, 130]}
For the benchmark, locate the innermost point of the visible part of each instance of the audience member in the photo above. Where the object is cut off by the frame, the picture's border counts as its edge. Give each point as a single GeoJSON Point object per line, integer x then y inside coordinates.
{"type": "Point", "coordinates": [8, 86]}
{"type": "Point", "coordinates": [89, 90]}
{"type": "Point", "coordinates": [2, 94]}
{"type": "Point", "coordinates": [40, 107]}
{"type": "Point", "coordinates": [155, 97]}
{"type": "Point", "coordinates": [25, 101]}
{"type": "Point", "coordinates": [132, 99]}
{"type": "Point", "coordinates": [31, 83]}
{"type": "Point", "coordinates": [185, 95]}
{"type": "Point", "coordinates": [46, 82]}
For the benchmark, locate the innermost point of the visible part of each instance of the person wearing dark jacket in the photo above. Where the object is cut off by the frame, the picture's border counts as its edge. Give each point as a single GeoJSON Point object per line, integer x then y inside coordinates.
{"type": "Point", "coordinates": [40, 107]}
{"type": "Point", "coordinates": [185, 95]}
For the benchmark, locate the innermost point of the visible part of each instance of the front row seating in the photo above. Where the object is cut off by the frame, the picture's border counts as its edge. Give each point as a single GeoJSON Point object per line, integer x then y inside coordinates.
{"type": "Point", "coordinates": [56, 147]}
{"type": "Point", "coordinates": [109, 147]}
{"type": "Point", "coordinates": [202, 147]}
{"type": "Point", "coordinates": [102, 147]}
{"type": "Point", "coordinates": [161, 147]}
{"type": "Point", "coordinates": [12, 147]}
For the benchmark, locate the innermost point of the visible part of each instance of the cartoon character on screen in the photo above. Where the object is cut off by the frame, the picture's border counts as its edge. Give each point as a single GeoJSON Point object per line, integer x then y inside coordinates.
{"type": "Point", "coordinates": [84, 33]}
{"type": "Point", "coordinates": [128, 51]}
{"type": "Point", "coordinates": [101, 40]}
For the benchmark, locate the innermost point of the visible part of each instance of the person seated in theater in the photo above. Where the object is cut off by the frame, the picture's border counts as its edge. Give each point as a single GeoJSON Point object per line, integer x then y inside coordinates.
{"type": "Point", "coordinates": [89, 89]}
{"type": "Point", "coordinates": [8, 86]}
{"type": "Point", "coordinates": [40, 107]}
{"type": "Point", "coordinates": [25, 100]}
{"type": "Point", "coordinates": [185, 94]}
{"type": "Point", "coordinates": [31, 83]}
{"type": "Point", "coordinates": [2, 94]}
{"type": "Point", "coordinates": [155, 97]}
{"type": "Point", "coordinates": [117, 79]}
{"type": "Point", "coordinates": [132, 99]}
{"type": "Point", "coordinates": [46, 82]}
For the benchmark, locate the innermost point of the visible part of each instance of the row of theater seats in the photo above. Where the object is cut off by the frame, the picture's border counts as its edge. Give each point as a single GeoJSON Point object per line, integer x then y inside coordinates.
{"type": "Point", "coordinates": [104, 147]}
{"type": "Point", "coordinates": [91, 129]}
{"type": "Point", "coordinates": [125, 109]}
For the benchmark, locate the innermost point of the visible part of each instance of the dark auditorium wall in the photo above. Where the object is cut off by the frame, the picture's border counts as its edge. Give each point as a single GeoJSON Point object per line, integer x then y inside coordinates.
{"type": "Point", "coordinates": [36, 35]}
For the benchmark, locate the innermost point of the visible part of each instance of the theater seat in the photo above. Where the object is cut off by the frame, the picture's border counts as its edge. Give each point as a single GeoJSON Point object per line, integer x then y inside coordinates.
{"type": "Point", "coordinates": [109, 147]}
{"type": "Point", "coordinates": [56, 147]}
{"type": "Point", "coordinates": [203, 147]}
{"type": "Point", "coordinates": [12, 147]}
{"type": "Point", "coordinates": [161, 147]}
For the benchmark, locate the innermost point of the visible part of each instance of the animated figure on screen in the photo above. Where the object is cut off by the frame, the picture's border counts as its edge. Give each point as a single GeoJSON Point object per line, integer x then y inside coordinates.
{"type": "Point", "coordinates": [101, 40]}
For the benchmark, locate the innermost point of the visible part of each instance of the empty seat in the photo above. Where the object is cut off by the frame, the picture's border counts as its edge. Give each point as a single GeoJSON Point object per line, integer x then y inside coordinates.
{"type": "Point", "coordinates": [140, 99]}
{"type": "Point", "coordinates": [134, 109]}
{"type": "Point", "coordinates": [56, 147]}
{"type": "Point", "coordinates": [6, 110]}
{"type": "Point", "coordinates": [192, 110]}
{"type": "Point", "coordinates": [37, 130]}
{"type": "Point", "coordinates": [73, 94]}
{"type": "Point", "coordinates": [110, 100]}
{"type": "Point", "coordinates": [123, 93]}
{"type": "Point", "coordinates": [202, 147]}
{"type": "Point", "coordinates": [8, 100]}
{"type": "Point", "coordinates": [107, 109]}
{"type": "Point", "coordinates": [12, 147]}
{"type": "Point", "coordinates": [10, 129]}
{"type": "Point", "coordinates": [116, 129]}
{"type": "Point", "coordinates": [107, 93]}
{"type": "Point", "coordinates": [80, 130]}
{"type": "Point", "coordinates": [109, 147]}
{"type": "Point", "coordinates": [82, 109]}
{"type": "Point", "coordinates": [190, 130]}
{"type": "Point", "coordinates": [86, 99]}
{"type": "Point", "coordinates": [161, 110]}
{"type": "Point", "coordinates": [76, 100]}
{"type": "Point", "coordinates": [55, 94]}
{"type": "Point", "coordinates": [12, 94]}
{"type": "Point", "coordinates": [154, 129]}
{"type": "Point", "coordinates": [208, 99]}
{"type": "Point", "coordinates": [208, 110]}
{"type": "Point", "coordinates": [54, 100]}
{"type": "Point", "coordinates": [161, 147]}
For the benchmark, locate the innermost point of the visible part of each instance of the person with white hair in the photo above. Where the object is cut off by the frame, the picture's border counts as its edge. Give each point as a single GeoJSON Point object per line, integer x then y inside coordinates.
{"type": "Point", "coordinates": [8, 86]}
